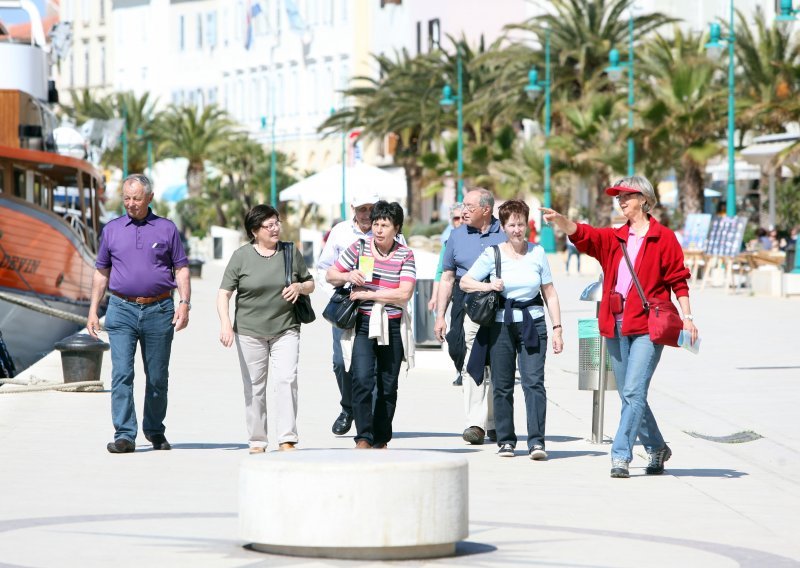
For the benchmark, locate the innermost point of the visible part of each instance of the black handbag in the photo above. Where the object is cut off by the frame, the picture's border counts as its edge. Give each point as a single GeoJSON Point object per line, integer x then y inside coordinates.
{"type": "Point", "coordinates": [482, 307]}
{"type": "Point", "coordinates": [341, 311]}
{"type": "Point", "coordinates": [303, 312]}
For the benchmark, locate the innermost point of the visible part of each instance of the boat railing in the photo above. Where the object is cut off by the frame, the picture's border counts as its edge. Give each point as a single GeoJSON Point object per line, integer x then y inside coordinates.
{"type": "Point", "coordinates": [84, 231]}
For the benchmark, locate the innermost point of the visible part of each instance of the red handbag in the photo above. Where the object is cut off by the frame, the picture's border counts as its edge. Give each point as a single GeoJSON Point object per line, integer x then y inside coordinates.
{"type": "Point", "coordinates": [664, 324]}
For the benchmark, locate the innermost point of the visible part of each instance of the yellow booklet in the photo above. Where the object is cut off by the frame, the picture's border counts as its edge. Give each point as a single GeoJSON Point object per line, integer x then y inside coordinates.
{"type": "Point", "coordinates": [366, 264]}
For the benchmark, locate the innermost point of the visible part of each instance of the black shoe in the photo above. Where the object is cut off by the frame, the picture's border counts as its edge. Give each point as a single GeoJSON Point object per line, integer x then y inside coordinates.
{"type": "Point", "coordinates": [619, 469]}
{"type": "Point", "coordinates": [159, 441]}
{"type": "Point", "coordinates": [458, 382]}
{"type": "Point", "coordinates": [492, 435]}
{"type": "Point", "coordinates": [474, 435]}
{"type": "Point", "coordinates": [342, 424]}
{"type": "Point", "coordinates": [121, 446]}
{"type": "Point", "coordinates": [657, 459]}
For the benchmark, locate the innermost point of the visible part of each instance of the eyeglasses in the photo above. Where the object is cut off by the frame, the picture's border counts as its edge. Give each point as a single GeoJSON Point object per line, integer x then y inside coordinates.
{"type": "Point", "coordinates": [364, 209]}
{"type": "Point", "coordinates": [472, 207]}
{"type": "Point", "coordinates": [272, 226]}
{"type": "Point", "coordinates": [626, 196]}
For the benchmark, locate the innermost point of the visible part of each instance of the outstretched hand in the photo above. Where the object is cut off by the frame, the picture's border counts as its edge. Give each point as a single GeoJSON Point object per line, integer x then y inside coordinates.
{"type": "Point", "coordinates": [553, 217]}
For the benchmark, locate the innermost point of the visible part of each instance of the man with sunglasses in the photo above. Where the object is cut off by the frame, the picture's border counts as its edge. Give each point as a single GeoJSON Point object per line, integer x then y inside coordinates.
{"type": "Point", "coordinates": [341, 236]}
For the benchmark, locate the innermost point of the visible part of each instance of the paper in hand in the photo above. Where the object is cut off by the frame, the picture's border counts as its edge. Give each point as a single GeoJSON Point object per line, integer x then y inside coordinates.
{"type": "Point", "coordinates": [366, 264]}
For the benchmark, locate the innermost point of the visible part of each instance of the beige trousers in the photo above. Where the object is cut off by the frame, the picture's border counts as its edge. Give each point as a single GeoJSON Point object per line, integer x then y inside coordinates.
{"type": "Point", "coordinates": [478, 402]}
{"type": "Point", "coordinates": [275, 356]}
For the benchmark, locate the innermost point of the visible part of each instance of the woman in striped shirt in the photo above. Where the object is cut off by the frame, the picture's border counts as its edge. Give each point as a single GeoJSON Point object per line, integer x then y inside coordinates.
{"type": "Point", "coordinates": [382, 274]}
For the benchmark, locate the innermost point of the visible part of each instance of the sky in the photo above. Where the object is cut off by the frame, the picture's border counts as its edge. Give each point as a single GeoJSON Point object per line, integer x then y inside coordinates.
{"type": "Point", "coordinates": [9, 16]}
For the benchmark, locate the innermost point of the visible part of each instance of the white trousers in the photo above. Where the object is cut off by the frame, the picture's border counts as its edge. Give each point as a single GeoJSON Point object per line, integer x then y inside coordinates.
{"type": "Point", "coordinates": [275, 356]}
{"type": "Point", "coordinates": [478, 399]}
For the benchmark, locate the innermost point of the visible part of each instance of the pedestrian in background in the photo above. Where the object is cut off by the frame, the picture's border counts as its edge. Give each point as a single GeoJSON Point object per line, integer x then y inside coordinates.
{"type": "Point", "coordinates": [265, 329]}
{"type": "Point", "coordinates": [572, 251]}
{"type": "Point", "coordinates": [382, 338]}
{"type": "Point", "coordinates": [141, 261]}
{"type": "Point", "coordinates": [480, 230]}
{"type": "Point", "coordinates": [519, 331]}
{"type": "Point", "coordinates": [658, 260]}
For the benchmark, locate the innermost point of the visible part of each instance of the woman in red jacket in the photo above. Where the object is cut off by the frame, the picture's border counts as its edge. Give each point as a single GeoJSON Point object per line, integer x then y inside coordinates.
{"type": "Point", "coordinates": [658, 261]}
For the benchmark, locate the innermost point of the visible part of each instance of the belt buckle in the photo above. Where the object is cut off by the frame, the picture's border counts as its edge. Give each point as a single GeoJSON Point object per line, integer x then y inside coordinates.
{"type": "Point", "coordinates": [140, 300]}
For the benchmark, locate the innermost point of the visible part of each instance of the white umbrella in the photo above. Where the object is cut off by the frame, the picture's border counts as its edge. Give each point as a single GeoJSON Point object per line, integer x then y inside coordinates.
{"type": "Point", "coordinates": [325, 187]}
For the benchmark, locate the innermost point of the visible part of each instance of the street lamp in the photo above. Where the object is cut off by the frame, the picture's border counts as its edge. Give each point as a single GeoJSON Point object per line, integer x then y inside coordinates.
{"type": "Point", "coordinates": [447, 101]}
{"type": "Point", "coordinates": [715, 48]}
{"type": "Point", "coordinates": [533, 89]}
{"type": "Point", "coordinates": [787, 16]}
{"type": "Point", "coordinates": [615, 72]}
{"type": "Point", "coordinates": [273, 183]}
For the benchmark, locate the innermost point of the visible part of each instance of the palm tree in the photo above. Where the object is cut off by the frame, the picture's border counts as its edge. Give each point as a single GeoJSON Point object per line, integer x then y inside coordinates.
{"type": "Point", "coordinates": [683, 114]}
{"type": "Point", "coordinates": [195, 134]}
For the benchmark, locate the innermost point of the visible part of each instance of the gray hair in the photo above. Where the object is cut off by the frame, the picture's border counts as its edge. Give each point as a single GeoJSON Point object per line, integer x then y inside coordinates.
{"type": "Point", "coordinates": [142, 180]}
{"type": "Point", "coordinates": [642, 184]}
{"type": "Point", "coordinates": [457, 206]}
{"type": "Point", "coordinates": [486, 199]}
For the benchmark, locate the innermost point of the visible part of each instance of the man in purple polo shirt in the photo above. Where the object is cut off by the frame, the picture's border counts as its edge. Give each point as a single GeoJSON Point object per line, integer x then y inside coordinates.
{"type": "Point", "coordinates": [141, 260]}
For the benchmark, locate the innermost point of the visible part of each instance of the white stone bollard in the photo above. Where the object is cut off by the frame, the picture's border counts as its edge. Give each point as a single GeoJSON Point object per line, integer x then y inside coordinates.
{"type": "Point", "coordinates": [354, 504]}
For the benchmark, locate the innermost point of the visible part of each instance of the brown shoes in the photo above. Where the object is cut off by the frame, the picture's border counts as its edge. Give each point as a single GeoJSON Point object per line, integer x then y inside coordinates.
{"type": "Point", "coordinates": [257, 449]}
{"type": "Point", "coordinates": [474, 435]}
{"type": "Point", "coordinates": [287, 447]}
{"type": "Point", "coordinates": [363, 445]}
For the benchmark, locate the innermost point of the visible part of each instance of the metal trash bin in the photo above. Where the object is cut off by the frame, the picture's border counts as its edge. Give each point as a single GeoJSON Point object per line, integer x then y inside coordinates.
{"type": "Point", "coordinates": [589, 357]}
{"type": "Point", "coordinates": [81, 357]}
{"type": "Point", "coordinates": [195, 268]}
{"type": "Point", "coordinates": [424, 320]}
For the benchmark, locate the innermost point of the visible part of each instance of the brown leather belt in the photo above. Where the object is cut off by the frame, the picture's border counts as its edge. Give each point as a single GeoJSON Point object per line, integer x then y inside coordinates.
{"type": "Point", "coordinates": [143, 300]}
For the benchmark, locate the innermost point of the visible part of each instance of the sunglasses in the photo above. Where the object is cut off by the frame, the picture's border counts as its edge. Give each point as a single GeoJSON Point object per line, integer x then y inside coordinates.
{"type": "Point", "coordinates": [457, 218]}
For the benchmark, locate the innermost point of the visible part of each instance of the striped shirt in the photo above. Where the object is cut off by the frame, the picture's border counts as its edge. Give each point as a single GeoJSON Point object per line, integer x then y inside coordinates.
{"type": "Point", "coordinates": [387, 273]}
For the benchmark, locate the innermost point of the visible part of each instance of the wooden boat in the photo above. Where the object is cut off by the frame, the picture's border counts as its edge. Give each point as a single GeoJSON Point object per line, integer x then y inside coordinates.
{"type": "Point", "coordinates": [49, 214]}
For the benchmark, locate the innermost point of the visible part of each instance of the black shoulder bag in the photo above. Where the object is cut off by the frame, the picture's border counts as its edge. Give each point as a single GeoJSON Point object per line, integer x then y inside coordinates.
{"type": "Point", "coordinates": [341, 311]}
{"type": "Point", "coordinates": [482, 306]}
{"type": "Point", "coordinates": [303, 312]}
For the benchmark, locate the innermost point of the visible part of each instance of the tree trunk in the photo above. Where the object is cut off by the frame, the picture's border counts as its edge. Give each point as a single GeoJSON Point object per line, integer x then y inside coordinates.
{"type": "Point", "coordinates": [691, 187]}
{"type": "Point", "coordinates": [195, 176]}
{"type": "Point", "coordinates": [603, 204]}
{"type": "Point", "coordinates": [414, 187]}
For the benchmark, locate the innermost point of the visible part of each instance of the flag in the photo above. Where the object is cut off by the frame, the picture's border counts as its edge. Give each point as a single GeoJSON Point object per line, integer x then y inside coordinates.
{"type": "Point", "coordinates": [253, 10]}
{"type": "Point", "coordinates": [296, 21]}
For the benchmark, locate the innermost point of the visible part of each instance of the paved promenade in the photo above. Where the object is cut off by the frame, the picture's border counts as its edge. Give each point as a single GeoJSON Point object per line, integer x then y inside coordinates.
{"type": "Point", "coordinates": [65, 501]}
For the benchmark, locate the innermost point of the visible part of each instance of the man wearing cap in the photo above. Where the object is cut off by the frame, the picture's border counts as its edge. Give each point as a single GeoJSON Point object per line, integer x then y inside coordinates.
{"type": "Point", "coordinates": [141, 260]}
{"type": "Point", "coordinates": [480, 229]}
{"type": "Point", "coordinates": [341, 236]}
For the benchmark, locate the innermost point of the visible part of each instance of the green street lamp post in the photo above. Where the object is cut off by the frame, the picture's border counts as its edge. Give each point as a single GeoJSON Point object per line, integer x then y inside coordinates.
{"type": "Point", "coordinates": [273, 183]}
{"type": "Point", "coordinates": [533, 89]}
{"type": "Point", "coordinates": [787, 17]}
{"type": "Point", "coordinates": [715, 47]}
{"type": "Point", "coordinates": [447, 102]}
{"type": "Point", "coordinates": [343, 209]}
{"type": "Point", "coordinates": [615, 71]}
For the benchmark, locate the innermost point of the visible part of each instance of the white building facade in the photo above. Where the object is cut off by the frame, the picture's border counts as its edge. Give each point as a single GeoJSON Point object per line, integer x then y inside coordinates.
{"type": "Point", "coordinates": [89, 64]}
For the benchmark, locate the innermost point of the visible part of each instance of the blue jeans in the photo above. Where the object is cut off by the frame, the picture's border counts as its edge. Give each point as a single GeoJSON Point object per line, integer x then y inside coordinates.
{"type": "Point", "coordinates": [634, 359]}
{"type": "Point", "coordinates": [344, 378]}
{"type": "Point", "coordinates": [572, 251]}
{"type": "Point", "coordinates": [505, 347]}
{"type": "Point", "coordinates": [151, 326]}
{"type": "Point", "coordinates": [375, 370]}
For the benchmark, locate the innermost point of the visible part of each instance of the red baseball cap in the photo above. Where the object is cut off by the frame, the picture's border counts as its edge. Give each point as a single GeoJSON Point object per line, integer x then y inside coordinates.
{"type": "Point", "coordinates": [617, 189]}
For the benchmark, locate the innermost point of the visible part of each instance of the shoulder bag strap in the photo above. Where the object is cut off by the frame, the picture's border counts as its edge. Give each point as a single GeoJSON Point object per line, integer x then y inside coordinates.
{"type": "Point", "coordinates": [497, 260]}
{"type": "Point", "coordinates": [645, 303]}
{"type": "Point", "coordinates": [287, 261]}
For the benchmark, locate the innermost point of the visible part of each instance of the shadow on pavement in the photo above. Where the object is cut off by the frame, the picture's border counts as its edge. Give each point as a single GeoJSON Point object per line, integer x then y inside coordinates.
{"type": "Point", "coordinates": [726, 473]}
{"type": "Point", "coordinates": [425, 435]}
{"type": "Point", "coordinates": [200, 446]}
{"type": "Point", "coordinates": [562, 438]}
{"type": "Point", "coordinates": [560, 455]}
{"type": "Point", "coordinates": [467, 548]}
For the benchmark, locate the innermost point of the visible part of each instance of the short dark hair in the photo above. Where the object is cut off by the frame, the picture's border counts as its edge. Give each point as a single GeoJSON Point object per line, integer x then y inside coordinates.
{"type": "Point", "coordinates": [513, 207]}
{"type": "Point", "coordinates": [390, 211]}
{"type": "Point", "coordinates": [256, 217]}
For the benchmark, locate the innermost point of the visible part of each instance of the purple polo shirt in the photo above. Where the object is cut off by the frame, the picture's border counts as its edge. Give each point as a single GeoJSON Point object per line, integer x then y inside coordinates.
{"type": "Point", "coordinates": [141, 255]}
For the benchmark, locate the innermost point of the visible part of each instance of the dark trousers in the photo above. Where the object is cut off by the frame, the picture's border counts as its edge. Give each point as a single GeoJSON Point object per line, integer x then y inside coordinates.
{"type": "Point", "coordinates": [456, 346]}
{"type": "Point", "coordinates": [375, 370]}
{"type": "Point", "coordinates": [505, 344]}
{"type": "Point", "coordinates": [343, 377]}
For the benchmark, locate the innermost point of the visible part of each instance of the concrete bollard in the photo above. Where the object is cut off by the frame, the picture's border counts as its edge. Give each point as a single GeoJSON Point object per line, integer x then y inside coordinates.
{"type": "Point", "coordinates": [81, 357]}
{"type": "Point", "coordinates": [354, 504]}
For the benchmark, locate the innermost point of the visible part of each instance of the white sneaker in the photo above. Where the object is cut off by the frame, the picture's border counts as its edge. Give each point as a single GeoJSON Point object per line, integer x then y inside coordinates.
{"type": "Point", "coordinates": [506, 451]}
{"type": "Point", "coordinates": [537, 453]}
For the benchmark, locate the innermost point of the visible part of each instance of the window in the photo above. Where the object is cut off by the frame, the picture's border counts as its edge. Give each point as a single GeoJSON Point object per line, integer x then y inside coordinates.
{"type": "Point", "coordinates": [212, 96]}
{"type": "Point", "coordinates": [434, 34]}
{"type": "Point", "coordinates": [238, 20]}
{"type": "Point", "coordinates": [419, 38]}
{"type": "Point", "coordinates": [225, 30]}
{"type": "Point", "coordinates": [211, 29]}
{"type": "Point", "coordinates": [181, 33]}
{"type": "Point", "coordinates": [86, 10]}
{"type": "Point", "coordinates": [71, 70]}
{"type": "Point", "coordinates": [199, 43]}
{"type": "Point", "coordinates": [102, 51]}
{"type": "Point", "coordinates": [85, 63]}
{"type": "Point", "coordinates": [102, 11]}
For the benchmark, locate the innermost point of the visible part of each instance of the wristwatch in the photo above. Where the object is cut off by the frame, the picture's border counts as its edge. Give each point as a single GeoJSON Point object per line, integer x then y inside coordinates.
{"type": "Point", "coordinates": [187, 302]}
{"type": "Point", "coordinates": [689, 317]}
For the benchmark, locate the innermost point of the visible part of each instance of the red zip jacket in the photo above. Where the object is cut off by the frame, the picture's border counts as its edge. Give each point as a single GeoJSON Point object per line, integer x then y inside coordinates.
{"type": "Point", "coordinates": [659, 266]}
